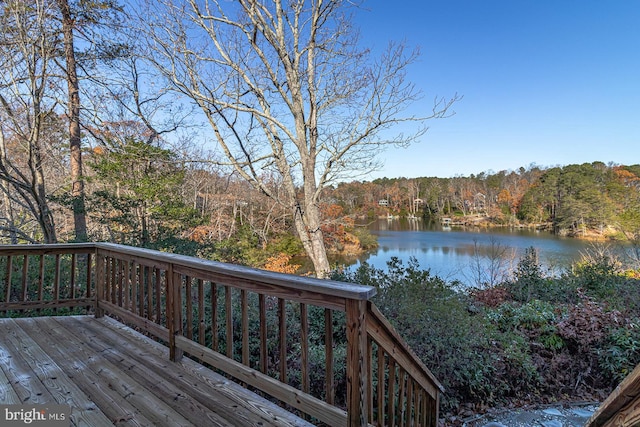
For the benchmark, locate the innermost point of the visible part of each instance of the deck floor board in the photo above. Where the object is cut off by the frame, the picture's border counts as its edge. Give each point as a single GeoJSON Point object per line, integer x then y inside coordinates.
{"type": "Point", "coordinates": [118, 396]}
{"type": "Point", "coordinates": [111, 375]}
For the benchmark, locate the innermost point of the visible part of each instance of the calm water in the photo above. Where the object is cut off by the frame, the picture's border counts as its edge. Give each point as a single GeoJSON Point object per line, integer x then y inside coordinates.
{"type": "Point", "coordinates": [457, 253]}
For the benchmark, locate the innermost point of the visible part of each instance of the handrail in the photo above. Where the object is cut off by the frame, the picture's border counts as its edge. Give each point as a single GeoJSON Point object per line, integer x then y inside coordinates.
{"type": "Point", "coordinates": [318, 346]}
{"type": "Point", "coordinates": [330, 289]}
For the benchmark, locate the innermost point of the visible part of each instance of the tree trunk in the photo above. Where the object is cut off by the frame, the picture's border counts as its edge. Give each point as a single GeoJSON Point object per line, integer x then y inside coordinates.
{"type": "Point", "coordinates": [77, 180]}
{"type": "Point", "coordinates": [308, 227]}
{"type": "Point", "coordinates": [6, 201]}
{"type": "Point", "coordinates": [38, 189]}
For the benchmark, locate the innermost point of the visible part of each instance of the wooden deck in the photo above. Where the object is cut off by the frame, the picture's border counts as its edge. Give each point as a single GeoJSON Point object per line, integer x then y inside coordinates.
{"type": "Point", "coordinates": [271, 332]}
{"type": "Point", "coordinates": [111, 375]}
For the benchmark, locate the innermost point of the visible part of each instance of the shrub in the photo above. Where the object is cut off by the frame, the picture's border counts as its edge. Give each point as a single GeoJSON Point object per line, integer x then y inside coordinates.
{"type": "Point", "coordinates": [436, 322]}
{"type": "Point", "coordinates": [367, 240]}
{"type": "Point", "coordinates": [531, 282]}
{"type": "Point", "coordinates": [620, 353]}
{"type": "Point", "coordinates": [554, 341]}
{"type": "Point", "coordinates": [530, 316]}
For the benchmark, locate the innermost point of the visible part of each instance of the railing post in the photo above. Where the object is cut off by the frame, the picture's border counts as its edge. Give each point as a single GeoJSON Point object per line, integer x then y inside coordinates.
{"type": "Point", "coordinates": [357, 363]}
{"type": "Point", "coordinates": [174, 312]}
{"type": "Point", "coordinates": [100, 284]}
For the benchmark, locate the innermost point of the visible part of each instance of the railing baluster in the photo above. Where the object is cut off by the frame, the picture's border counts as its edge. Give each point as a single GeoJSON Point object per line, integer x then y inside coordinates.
{"type": "Point", "coordinates": [175, 287]}
{"type": "Point", "coordinates": [391, 409]}
{"type": "Point", "coordinates": [134, 287]}
{"type": "Point", "coordinates": [282, 331]}
{"type": "Point", "coordinates": [189, 306]}
{"type": "Point", "coordinates": [56, 281]}
{"type": "Point", "coordinates": [40, 278]}
{"type": "Point", "coordinates": [262, 307]}
{"type": "Point", "coordinates": [423, 408]}
{"type": "Point", "coordinates": [419, 405]}
{"type": "Point", "coordinates": [89, 274]}
{"type": "Point", "coordinates": [229, 320]}
{"type": "Point", "coordinates": [245, 326]}
{"type": "Point", "coordinates": [25, 275]}
{"type": "Point", "coordinates": [8, 278]}
{"type": "Point", "coordinates": [141, 287]}
{"type": "Point", "coordinates": [113, 279]}
{"type": "Point", "coordinates": [381, 380]}
{"type": "Point", "coordinates": [149, 283]}
{"type": "Point", "coordinates": [409, 402]}
{"type": "Point", "coordinates": [304, 346]}
{"type": "Point", "coordinates": [72, 280]}
{"type": "Point", "coordinates": [158, 289]}
{"type": "Point", "coordinates": [123, 281]}
{"type": "Point", "coordinates": [328, 358]}
{"type": "Point", "coordinates": [100, 284]}
{"type": "Point", "coordinates": [109, 280]}
{"type": "Point", "coordinates": [201, 323]}
{"type": "Point", "coordinates": [114, 266]}
{"type": "Point", "coordinates": [214, 317]}
{"type": "Point", "coordinates": [401, 392]}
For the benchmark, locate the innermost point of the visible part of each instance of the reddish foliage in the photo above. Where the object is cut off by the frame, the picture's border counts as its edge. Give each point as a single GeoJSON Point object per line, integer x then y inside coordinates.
{"type": "Point", "coordinates": [491, 297]}
{"type": "Point", "coordinates": [587, 322]}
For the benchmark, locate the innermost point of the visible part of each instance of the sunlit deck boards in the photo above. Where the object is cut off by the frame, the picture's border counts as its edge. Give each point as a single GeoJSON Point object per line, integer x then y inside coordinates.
{"type": "Point", "coordinates": [111, 375]}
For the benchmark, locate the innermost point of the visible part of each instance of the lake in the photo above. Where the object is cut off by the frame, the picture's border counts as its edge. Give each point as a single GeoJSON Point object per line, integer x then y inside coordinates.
{"type": "Point", "coordinates": [463, 253]}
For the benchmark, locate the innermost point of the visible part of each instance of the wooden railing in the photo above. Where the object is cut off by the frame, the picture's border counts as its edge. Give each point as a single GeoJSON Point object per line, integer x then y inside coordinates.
{"type": "Point", "coordinates": [42, 279]}
{"type": "Point", "coordinates": [319, 347]}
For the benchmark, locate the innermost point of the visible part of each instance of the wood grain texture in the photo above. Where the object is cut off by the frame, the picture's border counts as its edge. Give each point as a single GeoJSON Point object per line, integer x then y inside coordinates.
{"type": "Point", "coordinates": [357, 364]}
{"type": "Point", "coordinates": [8, 395]}
{"type": "Point", "coordinates": [61, 389]}
{"type": "Point", "coordinates": [622, 405]}
{"type": "Point", "coordinates": [113, 392]}
{"type": "Point", "coordinates": [112, 375]}
{"type": "Point", "coordinates": [326, 413]}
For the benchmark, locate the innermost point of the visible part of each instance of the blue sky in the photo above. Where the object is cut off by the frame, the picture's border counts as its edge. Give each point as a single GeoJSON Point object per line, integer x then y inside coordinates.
{"type": "Point", "coordinates": [543, 82]}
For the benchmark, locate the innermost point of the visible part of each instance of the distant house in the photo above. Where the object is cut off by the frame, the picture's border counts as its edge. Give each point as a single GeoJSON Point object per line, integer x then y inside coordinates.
{"type": "Point", "coordinates": [383, 202]}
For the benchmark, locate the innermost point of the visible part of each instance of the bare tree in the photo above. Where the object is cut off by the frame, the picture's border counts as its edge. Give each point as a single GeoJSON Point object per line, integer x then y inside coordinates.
{"type": "Point", "coordinates": [490, 264]}
{"type": "Point", "coordinates": [28, 45]}
{"type": "Point", "coordinates": [286, 88]}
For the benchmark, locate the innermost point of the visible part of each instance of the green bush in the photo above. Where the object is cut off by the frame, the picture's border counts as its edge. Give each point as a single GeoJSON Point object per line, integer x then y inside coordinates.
{"type": "Point", "coordinates": [530, 316]}
{"type": "Point", "coordinates": [367, 240]}
{"type": "Point", "coordinates": [620, 353]}
{"type": "Point", "coordinates": [553, 339]}
{"type": "Point", "coordinates": [435, 321]}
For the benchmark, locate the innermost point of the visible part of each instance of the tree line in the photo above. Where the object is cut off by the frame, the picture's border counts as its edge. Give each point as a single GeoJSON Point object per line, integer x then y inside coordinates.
{"type": "Point", "coordinates": [579, 199]}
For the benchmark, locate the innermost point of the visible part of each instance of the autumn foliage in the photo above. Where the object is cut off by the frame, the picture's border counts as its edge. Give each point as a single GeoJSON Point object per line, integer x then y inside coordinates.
{"type": "Point", "coordinates": [281, 264]}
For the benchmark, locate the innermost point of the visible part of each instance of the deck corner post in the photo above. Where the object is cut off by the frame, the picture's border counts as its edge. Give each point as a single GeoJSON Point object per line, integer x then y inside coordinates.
{"type": "Point", "coordinates": [174, 312]}
{"type": "Point", "coordinates": [357, 363]}
{"type": "Point", "coordinates": [100, 285]}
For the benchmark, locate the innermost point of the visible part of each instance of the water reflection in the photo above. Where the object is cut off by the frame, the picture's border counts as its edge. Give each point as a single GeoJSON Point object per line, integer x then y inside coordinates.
{"type": "Point", "coordinates": [451, 253]}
